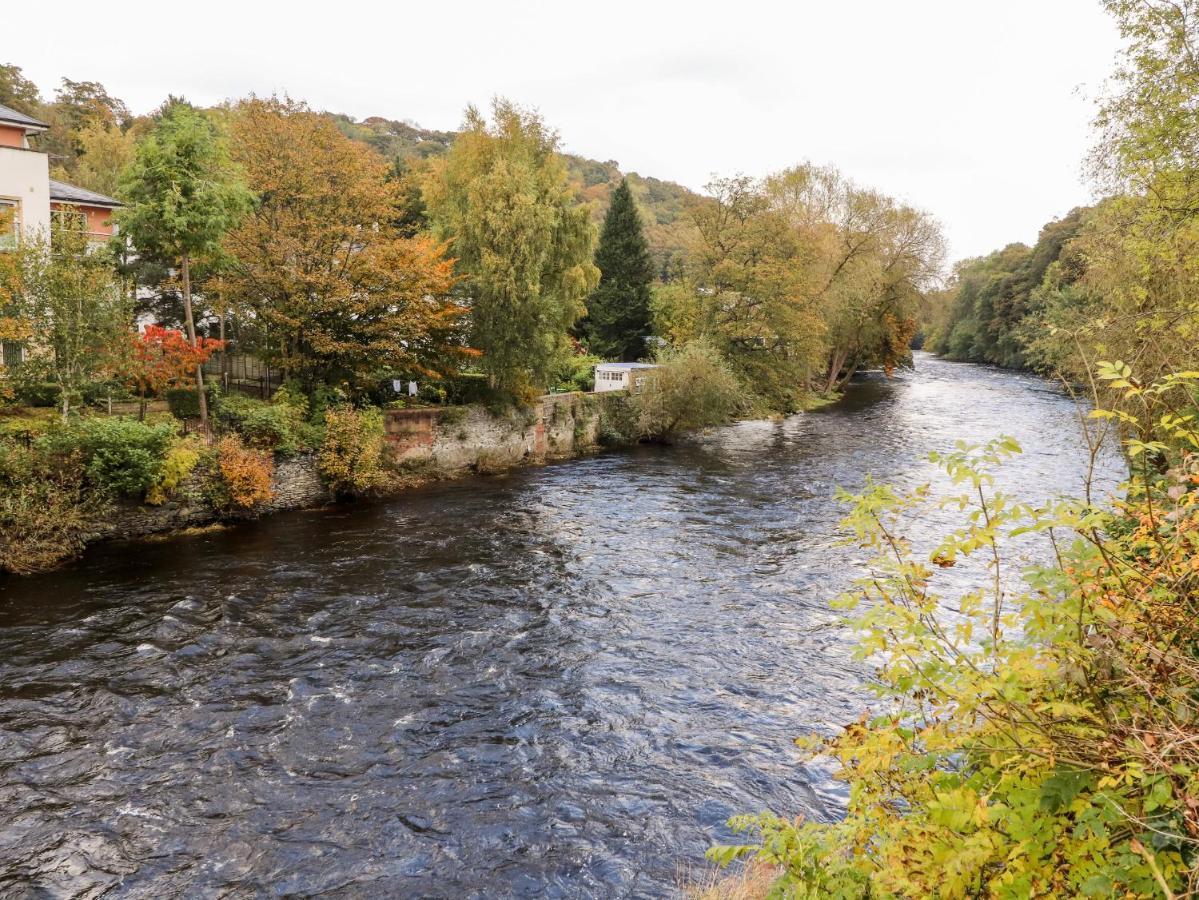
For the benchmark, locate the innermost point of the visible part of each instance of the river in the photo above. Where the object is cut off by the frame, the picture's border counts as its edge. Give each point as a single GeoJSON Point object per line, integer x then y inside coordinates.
{"type": "Point", "coordinates": [556, 683]}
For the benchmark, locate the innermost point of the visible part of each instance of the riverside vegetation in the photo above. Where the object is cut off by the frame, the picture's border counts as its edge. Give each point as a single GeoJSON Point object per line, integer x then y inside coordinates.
{"type": "Point", "coordinates": [269, 230]}
{"type": "Point", "coordinates": [1037, 739]}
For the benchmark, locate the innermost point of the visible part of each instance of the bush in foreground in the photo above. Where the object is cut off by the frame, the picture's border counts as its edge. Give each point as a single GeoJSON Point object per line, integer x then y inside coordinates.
{"type": "Point", "coordinates": [1034, 744]}
{"type": "Point", "coordinates": [46, 509]}
{"type": "Point", "coordinates": [121, 456]}
{"type": "Point", "coordinates": [351, 458]}
{"type": "Point", "coordinates": [244, 476]}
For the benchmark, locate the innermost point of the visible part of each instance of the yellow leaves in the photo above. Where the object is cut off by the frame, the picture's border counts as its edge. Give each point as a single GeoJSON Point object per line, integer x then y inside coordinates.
{"type": "Point", "coordinates": [15, 329]}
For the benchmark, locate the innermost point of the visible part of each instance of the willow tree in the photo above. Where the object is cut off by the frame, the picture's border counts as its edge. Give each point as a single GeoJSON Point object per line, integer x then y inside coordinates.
{"type": "Point", "coordinates": [502, 196]}
{"type": "Point", "coordinates": [871, 259]}
{"type": "Point", "coordinates": [182, 194]}
{"type": "Point", "coordinates": [332, 288]}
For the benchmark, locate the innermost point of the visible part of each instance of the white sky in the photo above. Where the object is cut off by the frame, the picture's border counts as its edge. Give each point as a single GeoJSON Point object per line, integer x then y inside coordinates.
{"type": "Point", "coordinates": [977, 112]}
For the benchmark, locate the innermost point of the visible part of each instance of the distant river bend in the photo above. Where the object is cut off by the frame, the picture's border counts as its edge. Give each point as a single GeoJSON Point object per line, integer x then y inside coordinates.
{"type": "Point", "coordinates": [557, 683]}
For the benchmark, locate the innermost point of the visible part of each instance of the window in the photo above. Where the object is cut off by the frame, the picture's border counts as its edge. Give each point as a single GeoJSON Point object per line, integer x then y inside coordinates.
{"type": "Point", "coordinates": [10, 222]}
{"type": "Point", "coordinates": [12, 353]}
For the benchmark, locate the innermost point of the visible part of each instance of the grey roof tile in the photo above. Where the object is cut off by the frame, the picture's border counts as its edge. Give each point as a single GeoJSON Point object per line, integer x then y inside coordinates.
{"type": "Point", "coordinates": [8, 114]}
{"type": "Point", "coordinates": [69, 193]}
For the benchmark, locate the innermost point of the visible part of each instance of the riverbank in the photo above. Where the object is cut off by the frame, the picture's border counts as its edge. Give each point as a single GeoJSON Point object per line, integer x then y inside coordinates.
{"type": "Point", "coordinates": [420, 446]}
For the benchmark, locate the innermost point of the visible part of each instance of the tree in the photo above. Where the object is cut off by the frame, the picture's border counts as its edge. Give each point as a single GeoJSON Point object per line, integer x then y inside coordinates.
{"type": "Point", "coordinates": [183, 194]}
{"type": "Point", "coordinates": [618, 311]}
{"type": "Point", "coordinates": [502, 196]}
{"type": "Point", "coordinates": [105, 151]}
{"type": "Point", "coordinates": [160, 358]}
{"type": "Point", "coordinates": [1142, 244]}
{"type": "Point", "coordinates": [69, 305]}
{"type": "Point", "coordinates": [332, 287]}
{"type": "Point", "coordinates": [692, 387]}
{"type": "Point", "coordinates": [748, 292]}
{"type": "Point", "coordinates": [870, 261]}
{"type": "Point", "coordinates": [18, 92]}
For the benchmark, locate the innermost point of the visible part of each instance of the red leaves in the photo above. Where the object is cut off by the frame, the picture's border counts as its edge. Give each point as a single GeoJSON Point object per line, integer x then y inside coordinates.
{"type": "Point", "coordinates": [160, 358]}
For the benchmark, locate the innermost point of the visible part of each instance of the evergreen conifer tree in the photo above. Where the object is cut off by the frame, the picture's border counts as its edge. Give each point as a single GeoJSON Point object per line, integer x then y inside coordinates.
{"type": "Point", "coordinates": [618, 311]}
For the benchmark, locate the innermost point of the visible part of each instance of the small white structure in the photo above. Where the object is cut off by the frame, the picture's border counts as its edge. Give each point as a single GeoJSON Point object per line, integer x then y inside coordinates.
{"type": "Point", "coordinates": [619, 376]}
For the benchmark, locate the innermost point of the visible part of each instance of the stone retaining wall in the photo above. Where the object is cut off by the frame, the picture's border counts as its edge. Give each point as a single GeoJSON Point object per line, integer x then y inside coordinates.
{"type": "Point", "coordinates": [426, 443]}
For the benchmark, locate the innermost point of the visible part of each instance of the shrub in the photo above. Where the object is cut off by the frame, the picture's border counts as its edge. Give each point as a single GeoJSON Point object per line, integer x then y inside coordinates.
{"type": "Point", "coordinates": [277, 426]}
{"type": "Point", "coordinates": [121, 456]}
{"type": "Point", "coordinates": [452, 415]}
{"type": "Point", "coordinates": [180, 461]}
{"type": "Point", "coordinates": [184, 402]}
{"type": "Point", "coordinates": [577, 373]}
{"type": "Point", "coordinates": [352, 455]}
{"type": "Point", "coordinates": [244, 476]}
{"type": "Point", "coordinates": [46, 509]}
{"type": "Point", "coordinates": [617, 420]}
{"type": "Point", "coordinates": [692, 387]}
{"type": "Point", "coordinates": [468, 387]}
{"type": "Point", "coordinates": [38, 393]}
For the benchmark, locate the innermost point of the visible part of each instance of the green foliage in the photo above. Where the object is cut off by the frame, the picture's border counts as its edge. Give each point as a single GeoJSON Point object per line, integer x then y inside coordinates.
{"type": "Point", "coordinates": [618, 425]}
{"type": "Point", "coordinates": [47, 508]}
{"type": "Point", "coordinates": [352, 456]}
{"type": "Point", "coordinates": [501, 195]}
{"type": "Point", "coordinates": [452, 415]}
{"type": "Point", "coordinates": [618, 311]}
{"type": "Point", "coordinates": [576, 373]}
{"type": "Point", "coordinates": [18, 92]}
{"type": "Point", "coordinates": [279, 426]}
{"type": "Point", "coordinates": [70, 306]}
{"type": "Point", "coordinates": [182, 192]}
{"type": "Point", "coordinates": [120, 456]}
{"type": "Point", "coordinates": [184, 402]}
{"type": "Point", "coordinates": [995, 298]}
{"type": "Point", "coordinates": [1028, 742]}
{"type": "Point", "coordinates": [692, 387]}
{"type": "Point", "coordinates": [181, 459]}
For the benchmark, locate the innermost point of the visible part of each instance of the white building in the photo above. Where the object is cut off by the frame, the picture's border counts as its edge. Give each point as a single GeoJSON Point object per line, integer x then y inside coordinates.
{"type": "Point", "coordinates": [30, 199]}
{"type": "Point", "coordinates": [24, 179]}
{"type": "Point", "coordinates": [620, 376]}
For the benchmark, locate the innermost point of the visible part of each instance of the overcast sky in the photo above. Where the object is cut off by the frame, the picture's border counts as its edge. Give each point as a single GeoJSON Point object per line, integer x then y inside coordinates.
{"type": "Point", "coordinates": [977, 112]}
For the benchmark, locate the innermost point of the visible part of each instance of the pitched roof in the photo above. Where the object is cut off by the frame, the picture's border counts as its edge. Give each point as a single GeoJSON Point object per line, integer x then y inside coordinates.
{"type": "Point", "coordinates": [11, 116]}
{"type": "Point", "coordinates": [69, 193]}
{"type": "Point", "coordinates": [622, 366]}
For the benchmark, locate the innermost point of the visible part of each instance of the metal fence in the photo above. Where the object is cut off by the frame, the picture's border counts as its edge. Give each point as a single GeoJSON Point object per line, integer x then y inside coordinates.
{"type": "Point", "coordinates": [244, 374]}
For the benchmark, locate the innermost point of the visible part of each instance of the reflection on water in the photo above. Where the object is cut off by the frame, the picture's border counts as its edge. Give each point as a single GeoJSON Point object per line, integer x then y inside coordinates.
{"type": "Point", "coordinates": [556, 683]}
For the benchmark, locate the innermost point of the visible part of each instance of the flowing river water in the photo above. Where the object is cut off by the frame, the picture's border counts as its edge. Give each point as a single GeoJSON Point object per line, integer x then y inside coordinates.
{"type": "Point", "coordinates": [556, 683]}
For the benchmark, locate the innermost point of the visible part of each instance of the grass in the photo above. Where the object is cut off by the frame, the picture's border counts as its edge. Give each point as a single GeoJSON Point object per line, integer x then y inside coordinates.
{"type": "Point", "coordinates": [752, 881]}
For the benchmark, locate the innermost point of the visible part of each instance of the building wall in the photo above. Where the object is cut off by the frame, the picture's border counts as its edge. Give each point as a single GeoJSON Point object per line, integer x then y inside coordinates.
{"type": "Point", "coordinates": [25, 177]}
{"type": "Point", "coordinates": [99, 218]}
{"type": "Point", "coordinates": [604, 384]}
{"type": "Point", "coordinates": [12, 136]}
{"type": "Point", "coordinates": [472, 438]}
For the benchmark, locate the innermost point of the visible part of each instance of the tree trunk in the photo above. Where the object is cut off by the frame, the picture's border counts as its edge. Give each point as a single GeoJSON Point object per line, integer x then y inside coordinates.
{"type": "Point", "coordinates": [834, 370]}
{"type": "Point", "coordinates": [191, 336]}
{"type": "Point", "coordinates": [224, 356]}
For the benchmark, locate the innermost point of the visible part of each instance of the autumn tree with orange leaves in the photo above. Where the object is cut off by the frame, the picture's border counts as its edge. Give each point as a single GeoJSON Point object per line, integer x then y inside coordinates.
{"type": "Point", "coordinates": [328, 287]}
{"type": "Point", "coordinates": [160, 358]}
